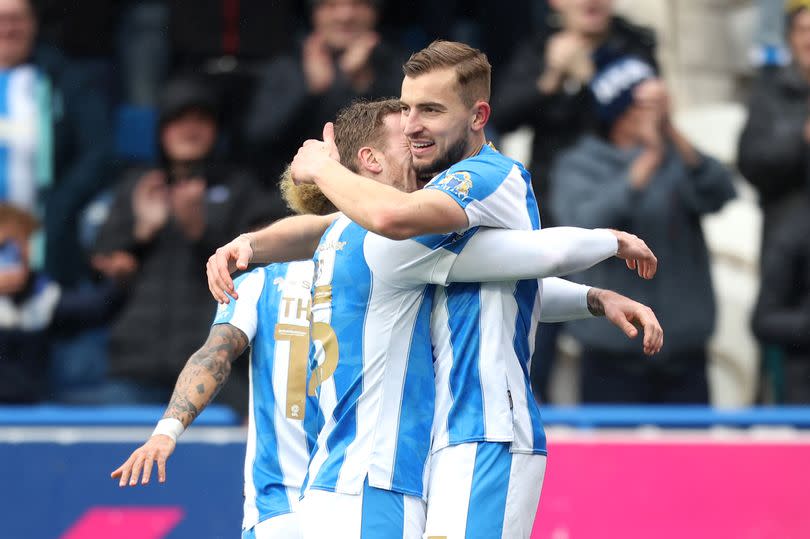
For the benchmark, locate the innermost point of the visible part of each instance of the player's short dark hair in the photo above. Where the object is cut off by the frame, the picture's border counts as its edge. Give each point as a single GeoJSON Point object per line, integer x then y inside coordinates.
{"type": "Point", "coordinates": [361, 124]}
{"type": "Point", "coordinates": [473, 70]}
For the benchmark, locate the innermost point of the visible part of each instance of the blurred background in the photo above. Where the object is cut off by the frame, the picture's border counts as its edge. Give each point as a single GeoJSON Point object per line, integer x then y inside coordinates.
{"type": "Point", "coordinates": [137, 136]}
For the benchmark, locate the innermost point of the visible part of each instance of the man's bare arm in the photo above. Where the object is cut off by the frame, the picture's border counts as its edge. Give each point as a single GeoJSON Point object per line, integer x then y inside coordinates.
{"type": "Point", "coordinates": [203, 376]}
{"type": "Point", "coordinates": [292, 238]}
{"type": "Point", "coordinates": [205, 372]}
{"type": "Point", "coordinates": [386, 211]}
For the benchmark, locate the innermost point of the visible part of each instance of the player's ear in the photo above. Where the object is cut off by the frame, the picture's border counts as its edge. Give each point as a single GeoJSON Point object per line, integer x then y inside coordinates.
{"type": "Point", "coordinates": [367, 158]}
{"type": "Point", "coordinates": [481, 112]}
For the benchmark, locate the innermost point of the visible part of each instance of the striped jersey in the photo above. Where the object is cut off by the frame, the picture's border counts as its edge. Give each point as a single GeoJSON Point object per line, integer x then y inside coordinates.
{"type": "Point", "coordinates": [273, 312]}
{"type": "Point", "coordinates": [372, 358]}
{"type": "Point", "coordinates": [483, 333]}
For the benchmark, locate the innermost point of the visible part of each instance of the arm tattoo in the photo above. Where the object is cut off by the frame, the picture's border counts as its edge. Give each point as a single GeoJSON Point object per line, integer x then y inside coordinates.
{"type": "Point", "coordinates": [595, 305]}
{"type": "Point", "coordinates": [205, 373]}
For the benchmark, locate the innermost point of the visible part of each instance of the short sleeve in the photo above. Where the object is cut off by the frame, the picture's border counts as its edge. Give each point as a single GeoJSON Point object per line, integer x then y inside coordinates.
{"type": "Point", "coordinates": [242, 313]}
{"type": "Point", "coordinates": [420, 260]}
{"type": "Point", "coordinates": [493, 190]}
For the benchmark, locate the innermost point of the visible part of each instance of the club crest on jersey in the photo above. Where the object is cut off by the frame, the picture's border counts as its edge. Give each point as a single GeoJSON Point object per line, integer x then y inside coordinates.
{"type": "Point", "coordinates": [459, 183]}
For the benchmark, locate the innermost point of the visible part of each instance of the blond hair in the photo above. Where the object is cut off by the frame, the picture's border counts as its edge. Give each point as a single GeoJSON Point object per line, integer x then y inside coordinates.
{"type": "Point", "coordinates": [473, 70]}
{"type": "Point", "coordinates": [305, 198]}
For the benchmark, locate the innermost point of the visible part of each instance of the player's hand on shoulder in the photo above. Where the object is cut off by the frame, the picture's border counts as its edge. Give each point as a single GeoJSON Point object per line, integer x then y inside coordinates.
{"type": "Point", "coordinates": [156, 450]}
{"type": "Point", "coordinates": [234, 255]}
{"type": "Point", "coordinates": [634, 251]}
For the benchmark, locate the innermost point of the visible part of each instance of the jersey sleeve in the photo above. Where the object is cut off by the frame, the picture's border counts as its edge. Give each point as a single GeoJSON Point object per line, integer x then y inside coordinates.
{"type": "Point", "coordinates": [243, 313]}
{"type": "Point", "coordinates": [492, 190]}
{"type": "Point", "coordinates": [420, 260]}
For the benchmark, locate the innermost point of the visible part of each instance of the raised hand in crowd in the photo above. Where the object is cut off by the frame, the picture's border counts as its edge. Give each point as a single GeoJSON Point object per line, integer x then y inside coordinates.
{"type": "Point", "coordinates": [150, 205]}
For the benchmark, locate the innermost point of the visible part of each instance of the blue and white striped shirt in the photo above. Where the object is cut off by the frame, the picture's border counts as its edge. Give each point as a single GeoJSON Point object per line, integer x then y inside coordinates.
{"type": "Point", "coordinates": [372, 356]}
{"type": "Point", "coordinates": [273, 312]}
{"type": "Point", "coordinates": [483, 333]}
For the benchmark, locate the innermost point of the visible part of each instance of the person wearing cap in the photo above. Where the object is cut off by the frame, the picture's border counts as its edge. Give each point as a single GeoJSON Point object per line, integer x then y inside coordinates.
{"type": "Point", "coordinates": [342, 59]}
{"type": "Point", "coordinates": [162, 224]}
{"type": "Point", "coordinates": [774, 148]}
{"type": "Point", "coordinates": [641, 175]}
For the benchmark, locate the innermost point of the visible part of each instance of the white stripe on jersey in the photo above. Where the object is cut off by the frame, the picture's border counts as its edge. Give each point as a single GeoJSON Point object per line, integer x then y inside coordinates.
{"type": "Point", "coordinates": [498, 210]}
{"type": "Point", "coordinates": [251, 512]}
{"type": "Point", "coordinates": [440, 336]}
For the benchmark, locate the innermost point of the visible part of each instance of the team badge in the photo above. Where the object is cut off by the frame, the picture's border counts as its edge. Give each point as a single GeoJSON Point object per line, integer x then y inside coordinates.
{"type": "Point", "coordinates": [459, 183]}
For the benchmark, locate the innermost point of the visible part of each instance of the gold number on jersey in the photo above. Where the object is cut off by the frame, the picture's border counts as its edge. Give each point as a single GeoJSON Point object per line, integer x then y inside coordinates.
{"type": "Point", "coordinates": [324, 333]}
{"type": "Point", "coordinates": [298, 337]}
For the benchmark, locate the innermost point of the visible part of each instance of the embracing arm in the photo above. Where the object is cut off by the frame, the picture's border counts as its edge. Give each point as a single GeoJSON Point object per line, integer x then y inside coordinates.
{"type": "Point", "coordinates": [292, 238]}
{"type": "Point", "coordinates": [205, 373]}
{"type": "Point", "coordinates": [552, 252]}
{"type": "Point", "coordinates": [385, 210]}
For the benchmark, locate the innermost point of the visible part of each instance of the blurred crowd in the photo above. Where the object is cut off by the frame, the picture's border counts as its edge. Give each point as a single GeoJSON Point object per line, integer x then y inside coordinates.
{"type": "Point", "coordinates": [137, 136]}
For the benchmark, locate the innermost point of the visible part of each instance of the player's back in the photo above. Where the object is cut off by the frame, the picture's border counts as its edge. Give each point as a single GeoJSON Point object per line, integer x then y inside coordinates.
{"type": "Point", "coordinates": [272, 310]}
{"type": "Point", "coordinates": [483, 334]}
{"type": "Point", "coordinates": [377, 395]}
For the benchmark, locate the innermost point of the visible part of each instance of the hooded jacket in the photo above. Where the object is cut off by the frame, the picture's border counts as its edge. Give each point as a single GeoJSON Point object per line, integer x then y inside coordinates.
{"type": "Point", "coordinates": [591, 189]}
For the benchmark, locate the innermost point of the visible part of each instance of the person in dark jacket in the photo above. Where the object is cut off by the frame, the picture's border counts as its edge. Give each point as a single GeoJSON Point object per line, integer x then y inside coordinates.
{"type": "Point", "coordinates": [162, 226]}
{"type": "Point", "coordinates": [545, 86]}
{"type": "Point", "coordinates": [341, 60]}
{"type": "Point", "coordinates": [34, 309]}
{"type": "Point", "coordinates": [643, 176]}
{"type": "Point", "coordinates": [774, 148]}
{"type": "Point", "coordinates": [782, 313]}
{"type": "Point", "coordinates": [57, 139]}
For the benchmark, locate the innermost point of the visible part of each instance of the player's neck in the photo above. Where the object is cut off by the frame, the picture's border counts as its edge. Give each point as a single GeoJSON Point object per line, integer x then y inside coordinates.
{"type": "Point", "coordinates": [475, 144]}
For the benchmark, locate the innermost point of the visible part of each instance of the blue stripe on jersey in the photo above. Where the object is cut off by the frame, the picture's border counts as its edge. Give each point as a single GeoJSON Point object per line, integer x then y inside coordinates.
{"type": "Point", "coordinates": [531, 201]}
{"type": "Point", "coordinates": [419, 386]}
{"type": "Point", "coordinates": [465, 379]}
{"type": "Point", "coordinates": [249, 534]}
{"type": "Point", "coordinates": [347, 302]}
{"type": "Point", "coordinates": [525, 296]}
{"type": "Point", "coordinates": [382, 513]}
{"type": "Point", "coordinates": [474, 178]}
{"type": "Point", "coordinates": [271, 496]}
{"type": "Point", "coordinates": [453, 242]}
{"type": "Point", "coordinates": [5, 77]}
{"type": "Point", "coordinates": [490, 485]}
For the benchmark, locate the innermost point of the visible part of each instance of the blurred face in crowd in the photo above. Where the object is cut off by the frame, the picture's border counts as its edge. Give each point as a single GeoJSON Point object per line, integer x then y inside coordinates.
{"type": "Point", "coordinates": [436, 121]}
{"type": "Point", "coordinates": [648, 112]}
{"type": "Point", "coordinates": [341, 22]}
{"type": "Point", "coordinates": [799, 39]}
{"type": "Point", "coordinates": [17, 31]}
{"type": "Point", "coordinates": [190, 136]}
{"type": "Point", "coordinates": [587, 17]}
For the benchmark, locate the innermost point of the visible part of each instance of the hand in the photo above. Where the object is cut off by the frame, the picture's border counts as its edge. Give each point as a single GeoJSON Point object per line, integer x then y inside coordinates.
{"type": "Point", "coordinates": [157, 448]}
{"type": "Point", "coordinates": [355, 60]}
{"type": "Point", "coordinates": [568, 53]}
{"type": "Point", "coordinates": [636, 254]}
{"type": "Point", "coordinates": [313, 155]}
{"type": "Point", "coordinates": [150, 205]}
{"type": "Point", "coordinates": [628, 315]}
{"type": "Point", "coordinates": [188, 206]}
{"type": "Point", "coordinates": [318, 68]}
{"type": "Point", "coordinates": [235, 255]}
{"type": "Point", "coordinates": [13, 279]}
{"type": "Point", "coordinates": [117, 265]}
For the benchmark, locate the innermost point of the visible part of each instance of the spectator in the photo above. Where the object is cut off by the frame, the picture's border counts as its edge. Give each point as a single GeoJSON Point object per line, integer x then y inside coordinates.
{"type": "Point", "coordinates": [163, 224]}
{"type": "Point", "coordinates": [56, 140]}
{"type": "Point", "coordinates": [774, 149]}
{"type": "Point", "coordinates": [782, 314]}
{"type": "Point", "coordinates": [32, 308]}
{"type": "Point", "coordinates": [342, 59]}
{"type": "Point", "coordinates": [642, 176]}
{"type": "Point", "coordinates": [545, 86]}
